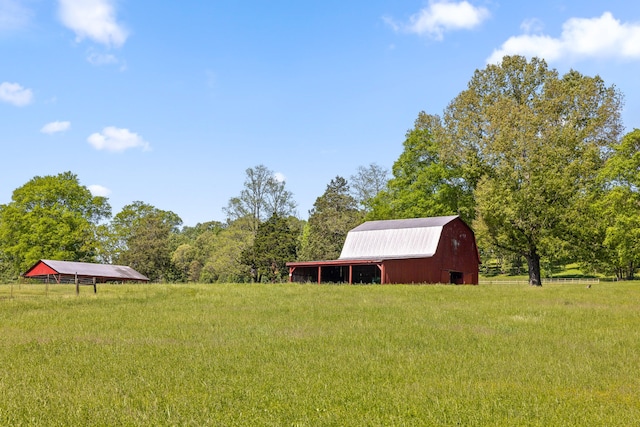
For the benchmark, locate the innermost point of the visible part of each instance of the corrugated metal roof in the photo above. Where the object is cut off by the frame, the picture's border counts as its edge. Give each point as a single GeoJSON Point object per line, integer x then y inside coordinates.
{"type": "Point", "coordinates": [122, 272]}
{"type": "Point", "coordinates": [402, 238]}
{"type": "Point", "coordinates": [393, 224]}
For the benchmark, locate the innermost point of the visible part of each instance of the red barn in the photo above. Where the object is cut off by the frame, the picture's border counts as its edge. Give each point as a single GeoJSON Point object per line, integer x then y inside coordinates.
{"type": "Point", "coordinates": [419, 250]}
{"type": "Point", "coordinates": [68, 271]}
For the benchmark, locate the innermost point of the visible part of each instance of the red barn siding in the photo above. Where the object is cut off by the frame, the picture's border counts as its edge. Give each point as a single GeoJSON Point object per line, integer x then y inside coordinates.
{"type": "Point", "coordinates": [454, 261]}
{"type": "Point", "coordinates": [41, 269]}
{"type": "Point", "coordinates": [413, 270]}
{"type": "Point", "coordinates": [457, 251]}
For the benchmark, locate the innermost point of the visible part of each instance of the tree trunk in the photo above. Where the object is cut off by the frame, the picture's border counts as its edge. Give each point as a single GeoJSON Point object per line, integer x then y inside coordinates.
{"type": "Point", "coordinates": [533, 262]}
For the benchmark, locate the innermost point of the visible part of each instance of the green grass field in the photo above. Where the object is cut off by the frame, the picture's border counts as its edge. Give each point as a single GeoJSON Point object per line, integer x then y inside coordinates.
{"type": "Point", "coordinates": [308, 355]}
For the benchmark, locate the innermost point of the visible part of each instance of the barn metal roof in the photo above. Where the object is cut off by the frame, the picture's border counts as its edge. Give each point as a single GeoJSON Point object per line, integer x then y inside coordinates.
{"type": "Point", "coordinates": [401, 238]}
{"type": "Point", "coordinates": [116, 272]}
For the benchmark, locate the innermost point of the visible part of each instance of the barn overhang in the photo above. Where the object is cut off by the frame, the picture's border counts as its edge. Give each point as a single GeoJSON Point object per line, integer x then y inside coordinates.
{"type": "Point", "coordinates": [379, 271]}
{"type": "Point", "coordinates": [337, 271]}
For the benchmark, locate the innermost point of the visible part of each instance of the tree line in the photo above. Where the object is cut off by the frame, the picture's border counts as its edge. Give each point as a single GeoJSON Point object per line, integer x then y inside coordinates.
{"type": "Point", "coordinates": [536, 162]}
{"type": "Point", "coordinates": [55, 217]}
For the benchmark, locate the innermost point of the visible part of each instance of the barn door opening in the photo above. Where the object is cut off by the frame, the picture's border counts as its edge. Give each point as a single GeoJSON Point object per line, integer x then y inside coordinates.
{"type": "Point", "coordinates": [456, 278]}
{"type": "Point", "coordinates": [366, 274]}
{"type": "Point", "coordinates": [335, 274]}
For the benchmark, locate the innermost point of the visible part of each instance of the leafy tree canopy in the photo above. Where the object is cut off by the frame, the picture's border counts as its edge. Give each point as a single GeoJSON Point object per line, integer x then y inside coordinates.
{"type": "Point", "coordinates": [531, 144]}
{"type": "Point", "coordinates": [144, 238]}
{"type": "Point", "coordinates": [333, 215]}
{"type": "Point", "coordinates": [423, 184]}
{"type": "Point", "coordinates": [223, 260]}
{"type": "Point", "coordinates": [50, 217]}
{"type": "Point", "coordinates": [275, 245]}
{"type": "Point", "coordinates": [367, 182]}
{"type": "Point", "coordinates": [615, 212]}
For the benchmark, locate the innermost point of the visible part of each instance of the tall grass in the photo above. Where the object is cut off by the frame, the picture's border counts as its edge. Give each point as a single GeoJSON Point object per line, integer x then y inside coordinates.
{"type": "Point", "coordinates": [308, 355]}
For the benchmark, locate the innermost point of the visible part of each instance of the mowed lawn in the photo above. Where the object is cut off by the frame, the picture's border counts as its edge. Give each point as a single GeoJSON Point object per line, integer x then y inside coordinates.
{"type": "Point", "coordinates": [309, 355]}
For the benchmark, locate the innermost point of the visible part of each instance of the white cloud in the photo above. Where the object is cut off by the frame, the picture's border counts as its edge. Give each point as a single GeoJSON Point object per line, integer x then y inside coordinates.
{"type": "Point", "coordinates": [279, 176]}
{"type": "Point", "coordinates": [93, 19]}
{"type": "Point", "coordinates": [15, 94]}
{"type": "Point", "coordinates": [55, 127]}
{"type": "Point", "coordinates": [99, 190]}
{"type": "Point", "coordinates": [117, 139]}
{"type": "Point", "coordinates": [13, 16]}
{"type": "Point", "coordinates": [602, 37]}
{"type": "Point", "coordinates": [529, 45]}
{"type": "Point", "coordinates": [442, 16]}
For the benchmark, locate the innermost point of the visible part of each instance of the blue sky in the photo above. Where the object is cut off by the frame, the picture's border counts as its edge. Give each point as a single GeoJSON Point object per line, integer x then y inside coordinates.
{"type": "Point", "coordinates": [170, 102]}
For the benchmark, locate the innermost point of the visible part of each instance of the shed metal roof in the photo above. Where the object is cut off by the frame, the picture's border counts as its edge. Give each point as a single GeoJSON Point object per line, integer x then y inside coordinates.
{"type": "Point", "coordinates": [401, 238]}
{"type": "Point", "coordinates": [116, 272]}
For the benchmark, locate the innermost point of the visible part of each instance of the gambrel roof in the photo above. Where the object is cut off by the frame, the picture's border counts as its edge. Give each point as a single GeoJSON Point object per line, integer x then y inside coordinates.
{"type": "Point", "coordinates": [392, 239]}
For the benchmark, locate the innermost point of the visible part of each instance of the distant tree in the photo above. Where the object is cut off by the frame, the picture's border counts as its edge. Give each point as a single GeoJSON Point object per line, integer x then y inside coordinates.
{"type": "Point", "coordinates": [50, 217]}
{"type": "Point", "coordinates": [617, 210]}
{"type": "Point", "coordinates": [333, 215]}
{"type": "Point", "coordinates": [194, 246]}
{"type": "Point", "coordinates": [144, 239]}
{"type": "Point", "coordinates": [262, 196]}
{"type": "Point", "coordinates": [279, 200]}
{"type": "Point", "coordinates": [224, 257]}
{"type": "Point", "coordinates": [212, 252]}
{"type": "Point", "coordinates": [148, 249]}
{"type": "Point", "coordinates": [367, 182]}
{"type": "Point", "coordinates": [297, 226]}
{"type": "Point", "coordinates": [185, 261]}
{"type": "Point", "coordinates": [423, 183]}
{"type": "Point", "coordinates": [531, 144]}
{"type": "Point", "coordinates": [273, 247]}
{"type": "Point", "coordinates": [190, 234]}
{"type": "Point", "coordinates": [622, 236]}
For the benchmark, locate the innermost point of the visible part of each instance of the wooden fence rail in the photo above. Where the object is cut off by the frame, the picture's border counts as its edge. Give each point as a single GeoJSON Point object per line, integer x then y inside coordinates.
{"type": "Point", "coordinates": [557, 280]}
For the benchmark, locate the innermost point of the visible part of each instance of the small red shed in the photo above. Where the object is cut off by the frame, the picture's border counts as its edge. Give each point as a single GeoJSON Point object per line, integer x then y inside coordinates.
{"type": "Point", "coordinates": [52, 271]}
{"type": "Point", "coordinates": [419, 250]}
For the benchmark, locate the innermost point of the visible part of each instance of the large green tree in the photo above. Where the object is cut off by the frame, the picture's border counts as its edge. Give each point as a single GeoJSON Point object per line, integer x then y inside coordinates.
{"type": "Point", "coordinates": [50, 217]}
{"type": "Point", "coordinates": [145, 237]}
{"type": "Point", "coordinates": [423, 183]}
{"type": "Point", "coordinates": [531, 143]}
{"type": "Point", "coordinates": [333, 215]}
